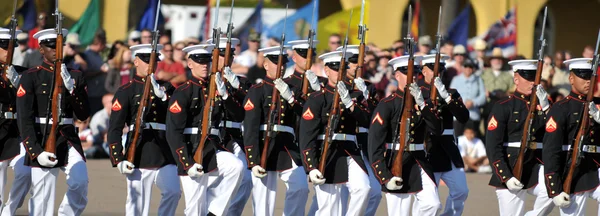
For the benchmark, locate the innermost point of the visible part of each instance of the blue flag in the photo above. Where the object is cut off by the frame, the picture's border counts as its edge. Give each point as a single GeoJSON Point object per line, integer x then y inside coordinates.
{"type": "Point", "coordinates": [298, 24]}
{"type": "Point", "coordinates": [252, 25]}
{"type": "Point", "coordinates": [147, 20]}
{"type": "Point", "coordinates": [29, 13]}
{"type": "Point", "coordinates": [458, 32]}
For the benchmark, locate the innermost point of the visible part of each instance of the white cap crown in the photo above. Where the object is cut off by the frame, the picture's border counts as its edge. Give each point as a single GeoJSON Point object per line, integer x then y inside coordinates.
{"type": "Point", "coordinates": [274, 50]}
{"type": "Point", "coordinates": [49, 34]}
{"type": "Point", "coordinates": [144, 49]}
{"type": "Point", "coordinates": [223, 42]}
{"type": "Point", "coordinates": [402, 61]}
{"type": "Point", "coordinates": [302, 44]}
{"type": "Point", "coordinates": [524, 64]}
{"type": "Point", "coordinates": [335, 56]}
{"type": "Point", "coordinates": [430, 59]}
{"type": "Point", "coordinates": [5, 33]}
{"type": "Point", "coordinates": [354, 49]}
{"type": "Point", "coordinates": [579, 63]}
{"type": "Point", "coordinates": [199, 49]}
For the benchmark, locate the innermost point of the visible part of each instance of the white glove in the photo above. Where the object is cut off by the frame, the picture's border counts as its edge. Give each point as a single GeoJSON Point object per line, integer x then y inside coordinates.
{"type": "Point", "coordinates": [158, 90]}
{"type": "Point", "coordinates": [562, 200]}
{"type": "Point", "coordinates": [316, 177]}
{"type": "Point", "coordinates": [13, 76]}
{"type": "Point", "coordinates": [361, 86]}
{"type": "Point", "coordinates": [259, 171]}
{"type": "Point", "coordinates": [394, 184]}
{"type": "Point", "coordinates": [284, 90]}
{"type": "Point", "coordinates": [514, 184]}
{"type": "Point", "coordinates": [594, 112]}
{"type": "Point", "coordinates": [344, 96]}
{"type": "Point", "coordinates": [66, 76]}
{"type": "Point", "coordinates": [44, 159]}
{"type": "Point", "coordinates": [195, 171]}
{"type": "Point", "coordinates": [221, 86]}
{"type": "Point", "coordinates": [125, 167]}
{"type": "Point", "coordinates": [415, 91]}
{"type": "Point", "coordinates": [231, 78]}
{"type": "Point", "coordinates": [542, 97]}
{"type": "Point", "coordinates": [441, 88]}
{"type": "Point", "coordinates": [313, 80]}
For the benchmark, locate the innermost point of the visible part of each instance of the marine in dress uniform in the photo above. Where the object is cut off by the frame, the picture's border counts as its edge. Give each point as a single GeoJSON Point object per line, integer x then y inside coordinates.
{"type": "Point", "coordinates": [283, 159]}
{"type": "Point", "coordinates": [33, 94]}
{"type": "Point", "coordinates": [561, 130]}
{"type": "Point", "coordinates": [417, 174]}
{"type": "Point", "coordinates": [300, 56]}
{"type": "Point", "coordinates": [503, 141]}
{"type": "Point", "coordinates": [11, 152]}
{"type": "Point", "coordinates": [344, 164]}
{"type": "Point", "coordinates": [232, 138]}
{"type": "Point", "coordinates": [154, 163]}
{"type": "Point", "coordinates": [444, 155]}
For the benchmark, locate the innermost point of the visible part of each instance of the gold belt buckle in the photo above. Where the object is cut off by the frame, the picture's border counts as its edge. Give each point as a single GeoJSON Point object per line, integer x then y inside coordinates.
{"type": "Point", "coordinates": [592, 149]}
{"type": "Point", "coordinates": [532, 145]}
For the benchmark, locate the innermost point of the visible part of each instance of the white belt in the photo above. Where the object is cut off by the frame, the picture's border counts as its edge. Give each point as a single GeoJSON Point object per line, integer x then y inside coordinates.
{"type": "Point", "coordinates": [449, 132]}
{"type": "Point", "coordinates": [279, 128]}
{"type": "Point", "coordinates": [63, 121]}
{"type": "Point", "coordinates": [230, 124]}
{"type": "Point", "coordinates": [339, 137]}
{"type": "Point", "coordinates": [363, 130]}
{"type": "Point", "coordinates": [538, 145]}
{"type": "Point", "coordinates": [411, 147]}
{"type": "Point", "coordinates": [586, 148]}
{"type": "Point", "coordinates": [151, 125]}
{"type": "Point", "coordinates": [10, 115]}
{"type": "Point", "coordinates": [194, 130]}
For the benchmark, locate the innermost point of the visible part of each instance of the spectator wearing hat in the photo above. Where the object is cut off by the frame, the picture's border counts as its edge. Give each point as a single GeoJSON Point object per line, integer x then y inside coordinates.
{"type": "Point", "coordinates": [424, 45]}
{"type": "Point", "coordinates": [72, 56]}
{"type": "Point", "coordinates": [472, 91]}
{"type": "Point", "coordinates": [454, 66]}
{"type": "Point", "coordinates": [134, 38]}
{"type": "Point", "coordinates": [498, 83]}
{"type": "Point", "coordinates": [480, 46]}
{"type": "Point", "coordinates": [22, 49]}
{"type": "Point", "coordinates": [248, 57]}
{"type": "Point", "coordinates": [40, 24]}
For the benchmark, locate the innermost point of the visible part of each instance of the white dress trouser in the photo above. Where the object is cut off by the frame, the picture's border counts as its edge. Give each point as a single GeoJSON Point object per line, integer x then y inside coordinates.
{"type": "Point", "coordinates": [456, 181]}
{"type": "Point", "coordinates": [240, 198]}
{"type": "Point", "coordinates": [329, 196]}
{"type": "Point", "coordinates": [513, 203]}
{"type": "Point", "coordinates": [264, 192]}
{"type": "Point", "coordinates": [426, 203]}
{"type": "Point", "coordinates": [194, 191]}
{"type": "Point", "coordinates": [43, 182]}
{"type": "Point", "coordinates": [578, 203]}
{"type": "Point", "coordinates": [139, 190]}
{"type": "Point", "coordinates": [20, 186]}
{"type": "Point", "coordinates": [224, 182]}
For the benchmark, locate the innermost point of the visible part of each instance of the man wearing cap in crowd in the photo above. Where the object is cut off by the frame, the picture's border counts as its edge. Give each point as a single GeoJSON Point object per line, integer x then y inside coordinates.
{"type": "Point", "coordinates": [211, 184]}
{"type": "Point", "coordinates": [424, 45]}
{"type": "Point", "coordinates": [498, 83]}
{"type": "Point", "coordinates": [21, 49]}
{"type": "Point", "coordinates": [283, 160]}
{"type": "Point", "coordinates": [480, 47]}
{"type": "Point", "coordinates": [300, 54]}
{"type": "Point", "coordinates": [454, 66]}
{"type": "Point", "coordinates": [134, 38]}
{"type": "Point", "coordinates": [237, 86]}
{"type": "Point", "coordinates": [248, 58]}
{"type": "Point", "coordinates": [417, 177]}
{"type": "Point", "coordinates": [154, 162]}
{"type": "Point", "coordinates": [344, 165]}
{"type": "Point", "coordinates": [561, 131]}
{"type": "Point", "coordinates": [12, 152]}
{"type": "Point", "coordinates": [444, 154]}
{"type": "Point", "coordinates": [503, 141]}
{"type": "Point", "coordinates": [32, 103]}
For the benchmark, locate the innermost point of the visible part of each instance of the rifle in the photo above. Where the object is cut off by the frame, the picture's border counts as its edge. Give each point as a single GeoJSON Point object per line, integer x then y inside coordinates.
{"type": "Point", "coordinates": [362, 31]}
{"type": "Point", "coordinates": [407, 105]}
{"type": "Point", "coordinates": [212, 87]}
{"type": "Point", "coordinates": [272, 118]}
{"type": "Point", "coordinates": [146, 95]}
{"type": "Point", "coordinates": [335, 113]}
{"type": "Point", "coordinates": [436, 67]}
{"type": "Point", "coordinates": [309, 55]}
{"type": "Point", "coordinates": [229, 31]}
{"type": "Point", "coordinates": [584, 126]}
{"type": "Point", "coordinates": [533, 103]}
{"type": "Point", "coordinates": [54, 111]}
{"type": "Point", "coordinates": [11, 41]}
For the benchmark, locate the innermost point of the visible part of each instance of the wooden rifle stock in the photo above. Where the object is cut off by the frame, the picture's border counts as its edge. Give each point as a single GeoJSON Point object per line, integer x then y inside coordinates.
{"type": "Point", "coordinates": [309, 57]}
{"type": "Point", "coordinates": [50, 144]}
{"type": "Point", "coordinates": [269, 133]}
{"type": "Point", "coordinates": [361, 61]}
{"type": "Point", "coordinates": [436, 72]}
{"type": "Point", "coordinates": [228, 55]}
{"type": "Point", "coordinates": [333, 115]}
{"type": "Point", "coordinates": [208, 107]}
{"type": "Point", "coordinates": [408, 106]}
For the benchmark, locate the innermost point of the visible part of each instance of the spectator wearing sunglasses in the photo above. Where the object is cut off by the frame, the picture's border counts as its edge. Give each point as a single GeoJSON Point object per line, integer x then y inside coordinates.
{"type": "Point", "coordinates": [335, 41]}
{"type": "Point", "coordinates": [134, 38]}
{"type": "Point", "coordinates": [40, 24]}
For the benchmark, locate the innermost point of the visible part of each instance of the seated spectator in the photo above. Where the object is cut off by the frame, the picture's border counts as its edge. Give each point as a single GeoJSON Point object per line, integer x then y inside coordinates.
{"type": "Point", "coordinates": [99, 127]}
{"type": "Point", "coordinates": [85, 134]}
{"type": "Point", "coordinates": [473, 152]}
{"type": "Point", "coordinates": [168, 70]}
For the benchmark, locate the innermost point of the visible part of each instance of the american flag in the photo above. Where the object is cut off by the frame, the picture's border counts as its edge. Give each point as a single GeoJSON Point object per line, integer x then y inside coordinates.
{"type": "Point", "coordinates": [204, 28]}
{"type": "Point", "coordinates": [501, 34]}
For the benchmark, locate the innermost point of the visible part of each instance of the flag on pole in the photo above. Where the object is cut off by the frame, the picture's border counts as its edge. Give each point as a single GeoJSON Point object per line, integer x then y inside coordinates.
{"type": "Point", "coordinates": [414, 31]}
{"type": "Point", "coordinates": [253, 24]}
{"type": "Point", "coordinates": [338, 23]}
{"type": "Point", "coordinates": [88, 23]}
{"type": "Point", "coordinates": [458, 32]}
{"type": "Point", "coordinates": [501, 34]}
{"type": "Point", "coordinates": [298, 24]}
{"type": "Point", "coordinates": [29, 13]}
{"type": "Point", "coordinates": [204, 28]}
{"type": "Point", "coordinates": [147, 20]}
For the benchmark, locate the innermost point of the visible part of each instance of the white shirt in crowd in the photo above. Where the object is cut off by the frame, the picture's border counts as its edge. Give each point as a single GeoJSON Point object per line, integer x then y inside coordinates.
{"type": "Point", "coordinates": [472, 148]}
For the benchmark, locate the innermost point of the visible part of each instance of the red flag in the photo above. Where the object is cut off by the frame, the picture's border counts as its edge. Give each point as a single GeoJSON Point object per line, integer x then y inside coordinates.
{"type": "Point", "coordinates": [414, 31]}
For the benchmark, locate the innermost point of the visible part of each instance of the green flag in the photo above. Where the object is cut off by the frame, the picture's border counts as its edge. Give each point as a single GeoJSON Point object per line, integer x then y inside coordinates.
{"type": "Point", "coordinates": [88, 23]}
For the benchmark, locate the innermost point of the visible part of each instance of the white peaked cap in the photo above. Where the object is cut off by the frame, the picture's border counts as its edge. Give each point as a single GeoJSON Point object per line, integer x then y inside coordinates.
{"type": "Point", "coordinates": [144, 49]}
{"type": "Point", "coordinates": [335, 56]}
{"type": "Point", "coordinates": [49, 34]}
{"type": "Point", "coordinates": [402, 61]}
{"type": "Point", "coordinates": [302, 44]}
{"type": "Point", "coordinates": [524, 64]}
{"type": "Point", "coordinates": [354, 49]}
{"type": "Point", "coordinates": [5, 33]}
{"type": "Point", "coordinates": [579, 63]}
{"type": "Point", "coordinates": [430, 59]}
{"type": "Point", "coordinates": [199, 49]}
{"type": "Point", "coordinates": [223, 42]}
{"type": "Point", "coordinates": [274, 50]}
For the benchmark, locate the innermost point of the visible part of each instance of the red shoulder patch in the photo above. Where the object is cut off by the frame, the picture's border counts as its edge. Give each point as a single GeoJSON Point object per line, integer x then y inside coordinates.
{"type": "Point", "coordinates": [551, 125]}
{"type": "Point", "coordinates": [175, 108]}
{"type": "Point", "coordinates": [378, 119]}
{"type": "Point", "coordinates": [308, 115]}
{"type": "Point", "coordinates": [21, 92]}
{"type": "Point", "coordinates": [249, 105]}
{"type": "Point", "coordinates": [492, 124]}
{"type": "Point", "coordinates": [116, 105]}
